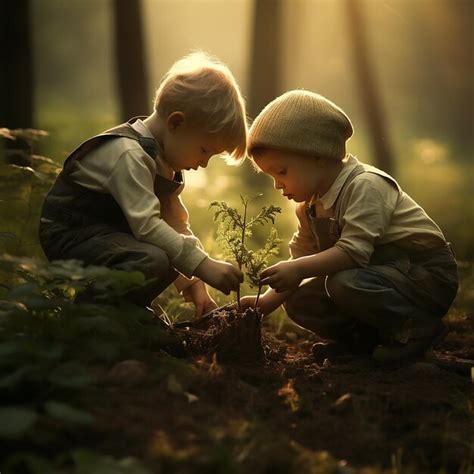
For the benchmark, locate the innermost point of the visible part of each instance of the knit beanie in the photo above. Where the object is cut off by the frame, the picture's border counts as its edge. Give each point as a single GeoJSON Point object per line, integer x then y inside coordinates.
{"type": "Point", "coordinates": [304, 122]}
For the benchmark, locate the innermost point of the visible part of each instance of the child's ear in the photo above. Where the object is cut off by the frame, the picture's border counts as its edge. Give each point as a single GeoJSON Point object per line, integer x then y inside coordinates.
{"type": "Point", "coordinates": [174, 121]}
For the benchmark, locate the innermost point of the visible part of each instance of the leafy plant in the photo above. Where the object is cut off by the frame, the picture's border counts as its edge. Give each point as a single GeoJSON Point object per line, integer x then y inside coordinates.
{"type": "Point", "coordinates": [48, 341]}
{"type": "Point", "coordinates": [233, 230]}
{"type": "Point", "coordinates": [26, 178]}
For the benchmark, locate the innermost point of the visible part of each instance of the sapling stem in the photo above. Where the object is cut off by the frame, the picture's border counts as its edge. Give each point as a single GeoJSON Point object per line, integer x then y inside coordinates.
{"type": "Point", "coordinates": [241, 259]}
{"type": "Point", "coordinates": [258, 294]}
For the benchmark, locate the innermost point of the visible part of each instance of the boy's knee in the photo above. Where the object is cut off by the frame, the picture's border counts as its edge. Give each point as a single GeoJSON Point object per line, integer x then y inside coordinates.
{"type": "Point", "coordinates": [292, 307]}
{"type": "Point", "coordinates": [296, 311]}
{"type": "Point", "coordinates": [318, 315]}
{"type": "Point", "coordinates": [312, 312]}
{"type": "Point", "coordinates": [155, 262]}
{"type": "Point", "coordinates": [340, 284]}
{"type": "Point", "coordinates": [150, 260]}
{"type": "Point", "coordinates": [300, 305]}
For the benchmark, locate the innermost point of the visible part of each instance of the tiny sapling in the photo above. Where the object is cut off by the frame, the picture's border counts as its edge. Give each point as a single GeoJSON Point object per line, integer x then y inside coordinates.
{"type": "Point", "coordinates": [234, 228]}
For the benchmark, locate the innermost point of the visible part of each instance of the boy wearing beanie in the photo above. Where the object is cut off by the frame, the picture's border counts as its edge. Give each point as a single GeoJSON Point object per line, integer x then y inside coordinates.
{"type": "Point", "coordinates": [370, 271]}
{"type": "Point", "coordinates": [117, 200]}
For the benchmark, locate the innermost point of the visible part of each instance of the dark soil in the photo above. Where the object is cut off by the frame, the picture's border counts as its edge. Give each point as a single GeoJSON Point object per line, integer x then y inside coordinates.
{"type": "Point", "coordinates": [281, 414]}
{"type": "Point", "coordinates": [230, 334]}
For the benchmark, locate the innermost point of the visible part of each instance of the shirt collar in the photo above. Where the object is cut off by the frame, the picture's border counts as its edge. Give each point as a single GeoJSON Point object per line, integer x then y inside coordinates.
{"type": "Point", "coordinates": [329, 198]}
{"type": "Point", "coordinates": [142, 129]}
{"type": "Point", "coordinates": [163, 168]}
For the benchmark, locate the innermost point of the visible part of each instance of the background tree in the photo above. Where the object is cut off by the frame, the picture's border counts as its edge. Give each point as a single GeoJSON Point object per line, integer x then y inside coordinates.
{"type": "Point", "coordinates": [265, 59]}
{"type": "Point", "coordinates": [369, 95]}
{"type": "Point", "coordinates": [132, 80]}
{"type": "Point", "coordinates": [16, 59]}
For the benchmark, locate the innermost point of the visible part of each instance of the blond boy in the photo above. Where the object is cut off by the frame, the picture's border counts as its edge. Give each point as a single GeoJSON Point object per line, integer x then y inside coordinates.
{"type": "Point", "coordinates": [381, 272]}
{"type": "Point", "coordinates": [117, 200]}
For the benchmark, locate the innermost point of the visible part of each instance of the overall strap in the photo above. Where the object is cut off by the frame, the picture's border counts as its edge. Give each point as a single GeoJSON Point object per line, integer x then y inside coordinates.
{"type": "Point", "coordinates": [330, 225]}
{"type": "Point", "coordinates": [327, 230]}
{"type": "Point", "coordinates": [358, 170]}
{"type": "Point", "coordinates": [124, 130]}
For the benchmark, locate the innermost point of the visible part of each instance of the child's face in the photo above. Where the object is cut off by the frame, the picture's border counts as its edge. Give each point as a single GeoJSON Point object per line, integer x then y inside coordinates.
{"type": "Point", "coordinates": [298, 176]}
{"type": "Point", "coordinates": [188, 147]}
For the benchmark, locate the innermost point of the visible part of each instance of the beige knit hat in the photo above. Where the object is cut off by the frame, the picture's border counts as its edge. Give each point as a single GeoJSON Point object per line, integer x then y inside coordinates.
{"type": "Point", "coordinates": [304, 122]}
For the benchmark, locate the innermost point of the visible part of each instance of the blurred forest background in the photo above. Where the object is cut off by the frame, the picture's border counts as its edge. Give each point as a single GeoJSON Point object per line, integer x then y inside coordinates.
{"type": "Point", "coordinates": [82, 386]}
{"type": "Point", "coordinates": [401, 69]}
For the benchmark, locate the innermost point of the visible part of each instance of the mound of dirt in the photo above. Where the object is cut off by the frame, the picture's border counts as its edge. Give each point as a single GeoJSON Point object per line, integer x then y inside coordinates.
{"type": "Point", "coordinates": [234, 336]}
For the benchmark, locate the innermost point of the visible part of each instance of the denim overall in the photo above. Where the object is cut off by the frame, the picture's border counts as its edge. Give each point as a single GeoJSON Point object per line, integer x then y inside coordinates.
{"type": "Point", "coordinates": [400, 295]}
{"type": "Point", "coordinates": [77, 223]}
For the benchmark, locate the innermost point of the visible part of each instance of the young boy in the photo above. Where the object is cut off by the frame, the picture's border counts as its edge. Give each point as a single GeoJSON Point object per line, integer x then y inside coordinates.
{"type": "Point", "coordinates": [383, 273]}
{"type": "Point", "coordinates": [116, 201]}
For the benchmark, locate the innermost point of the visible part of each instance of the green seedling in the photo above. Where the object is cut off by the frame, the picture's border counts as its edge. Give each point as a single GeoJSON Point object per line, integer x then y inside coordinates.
{"type": "Point", "coordinates": [234, 230]}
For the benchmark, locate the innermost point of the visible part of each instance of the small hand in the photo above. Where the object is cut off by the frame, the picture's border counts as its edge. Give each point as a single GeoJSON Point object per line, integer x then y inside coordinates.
{"type": "Point", "coordinates": [282, 276]}
{"type": "Point", "coordinates": [247, 302]}
{"type": "Point", "coordinates": [198, 294]}
{"type": "Point", "coordinates": [221, 275]}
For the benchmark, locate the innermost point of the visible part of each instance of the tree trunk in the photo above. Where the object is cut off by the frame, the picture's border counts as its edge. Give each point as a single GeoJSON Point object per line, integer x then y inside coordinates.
{"type": "Point", "coordinates": [265, 60]}
{"type": "Point", "coordinates": [368, 88]}
{"type": "Point", "coordinates": [16, 59]}
{"type": "Point", "coordinates": [132, 81]}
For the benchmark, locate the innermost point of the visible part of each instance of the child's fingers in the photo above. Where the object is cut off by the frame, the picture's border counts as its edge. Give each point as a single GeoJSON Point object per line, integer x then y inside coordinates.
{"type": "Point", "coordinates": [198, 310]}
{"type": "Point", "coordinates": [265, 281]}
{"type": "Point", "coordinates": [273, 281]}
{"type": "Point", "coordinates": [267, 272]}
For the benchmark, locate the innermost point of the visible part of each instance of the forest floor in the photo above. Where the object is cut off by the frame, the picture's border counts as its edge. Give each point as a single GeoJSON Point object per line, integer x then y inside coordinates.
{"type": "Point", "coordinates": [287, 414]}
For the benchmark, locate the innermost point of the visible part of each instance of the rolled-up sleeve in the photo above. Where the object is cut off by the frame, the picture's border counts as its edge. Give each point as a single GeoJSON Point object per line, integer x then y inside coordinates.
{"type": "Point", "coordinates": [366, 210]}
{"type": "Point", "coordinates": [131, 184]}
{"type": "Point", "coordinates": [303, 241]}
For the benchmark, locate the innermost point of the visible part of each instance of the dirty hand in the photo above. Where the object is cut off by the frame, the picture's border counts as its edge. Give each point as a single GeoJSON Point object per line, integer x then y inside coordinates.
{"type": "Point", "coordinates": [282, 276]}
{"type": "Point", "coordinates": [198, 294]}
{"type": "Point", "coordinates": [247, 302]}
{"type": "Point", "coordinates": [221, 275]}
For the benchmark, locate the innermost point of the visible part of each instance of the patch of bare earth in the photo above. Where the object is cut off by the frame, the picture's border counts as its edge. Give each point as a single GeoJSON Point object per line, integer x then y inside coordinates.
{"type": "Point", "coordinates": [282, 413]}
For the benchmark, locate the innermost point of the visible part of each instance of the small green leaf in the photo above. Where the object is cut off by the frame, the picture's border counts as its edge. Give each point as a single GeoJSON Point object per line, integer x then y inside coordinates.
{"type": "Point", "coordinates": [68, 414]}
{"type": "Point", "coordinates": [22, 461]}
{"type": "Point", "coordinates": [71, 375]}
{"type": "Point", "coordinates": [16, 421]}
{"type": "Point", "coordinates": [88, 462]}
{"type": "Point", "coordinates": [98, 325]}
{"type": "Point", "coordinates": [16, 377]}
{"type": "Point", "coordinates": [8, 348]}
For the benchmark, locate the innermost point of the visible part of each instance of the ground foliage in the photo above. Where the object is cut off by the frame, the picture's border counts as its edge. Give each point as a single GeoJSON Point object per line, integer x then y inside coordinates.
{"type": "Point", "coordinates": [99, 389]}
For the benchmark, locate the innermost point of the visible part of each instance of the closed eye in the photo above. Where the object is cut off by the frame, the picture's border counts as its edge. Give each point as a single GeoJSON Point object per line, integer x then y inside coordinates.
{"type": "Point", "coordinates": [281, 172]}
{"type": "Point", "coordinates": [203, 150]}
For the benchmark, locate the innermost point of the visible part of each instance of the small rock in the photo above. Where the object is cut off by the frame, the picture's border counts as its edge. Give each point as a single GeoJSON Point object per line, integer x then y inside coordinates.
{"type": "Point", "coordinates": [427, 368]}
{"type": "Point", "coordinates": [343, 404]}
{"type": "Point", "coordinates": [128, 373]}
{"type": "Point", "coordinates": [275, 353]}
{"type": "Point", "coordinates": [173, 385]}
{"type": "Point", "coordinates": [421, 368]}
{"type": "Point", "coordinates": [326, 364]}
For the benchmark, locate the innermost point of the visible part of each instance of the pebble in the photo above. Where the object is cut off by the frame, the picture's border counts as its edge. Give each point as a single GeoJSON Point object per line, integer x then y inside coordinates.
{"type": "Point", "coordinates": [343, 404]}
{"type": "Point", "coordinates": [127, 373]}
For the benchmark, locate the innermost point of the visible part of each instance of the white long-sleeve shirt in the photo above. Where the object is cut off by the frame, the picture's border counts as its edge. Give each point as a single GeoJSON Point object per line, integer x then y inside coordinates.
{"type": "Point", "coordinates": [373, 212]}
{"type": "Point", "coordinates": [121, 168]}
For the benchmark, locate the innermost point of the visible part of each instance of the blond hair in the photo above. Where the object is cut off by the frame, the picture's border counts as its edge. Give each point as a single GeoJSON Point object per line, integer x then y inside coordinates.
{"type": "Point", "coordinates": [204, 89]}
